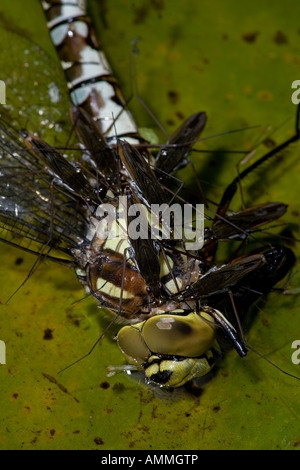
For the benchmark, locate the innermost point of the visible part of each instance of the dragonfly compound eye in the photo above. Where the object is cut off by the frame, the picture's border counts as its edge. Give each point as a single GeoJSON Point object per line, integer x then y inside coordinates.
{"type": "Point", "coordinates": [132, 344]}
{"type": "Point", "coordinates": [190, 335]}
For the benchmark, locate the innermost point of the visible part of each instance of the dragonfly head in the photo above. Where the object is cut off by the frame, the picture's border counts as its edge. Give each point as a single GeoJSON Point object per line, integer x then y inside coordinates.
{"type": "Point", "coordinates": [171, 348]}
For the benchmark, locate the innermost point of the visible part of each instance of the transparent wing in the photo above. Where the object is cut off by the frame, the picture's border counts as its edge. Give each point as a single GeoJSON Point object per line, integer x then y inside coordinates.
{"type": "Point", "coordinates": [34, 209]}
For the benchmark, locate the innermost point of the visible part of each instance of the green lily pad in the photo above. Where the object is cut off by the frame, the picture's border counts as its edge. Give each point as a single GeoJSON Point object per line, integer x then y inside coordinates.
{"type": "Point", "coordinates": [236, 62]}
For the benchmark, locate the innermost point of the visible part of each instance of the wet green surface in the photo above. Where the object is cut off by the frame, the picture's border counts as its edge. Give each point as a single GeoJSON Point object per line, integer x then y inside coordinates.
{"type": "Point", "coordinates": [236, 62]}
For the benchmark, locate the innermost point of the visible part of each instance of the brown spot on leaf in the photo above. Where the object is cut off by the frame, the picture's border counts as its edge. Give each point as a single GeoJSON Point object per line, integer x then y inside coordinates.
{"type": "Point", "coordinates": [280, 38]}
{"type": "Point", "coordinates": [99, 441]}
{"type": "Point", "coordinates": [173, 96]}
{"type": "Point", "coordinates": [105, 385]}
{"type": "Point", "coordinates": [250, 37]}
{"type": "Point", "coordinates": [48, 333]}
{"type": "Point", "coordinates": [269, 143]}
{"type": "Point", "coordinates": [180, 115]}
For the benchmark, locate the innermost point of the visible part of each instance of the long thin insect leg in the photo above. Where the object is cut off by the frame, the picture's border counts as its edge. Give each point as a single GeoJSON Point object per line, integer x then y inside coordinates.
{"type": "Point", "coordinates": [250, 347]}
{"type": "Point", "coordinates": [232, 188]}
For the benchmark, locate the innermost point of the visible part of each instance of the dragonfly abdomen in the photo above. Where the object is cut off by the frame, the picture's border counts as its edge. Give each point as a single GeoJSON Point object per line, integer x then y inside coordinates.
{"type": "Point", "coordinates": [91, 83]}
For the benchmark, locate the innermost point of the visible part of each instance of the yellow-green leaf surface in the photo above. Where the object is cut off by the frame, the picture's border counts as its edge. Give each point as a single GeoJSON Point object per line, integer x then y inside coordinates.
{"type": "Point", "coordinates": [236, 61]}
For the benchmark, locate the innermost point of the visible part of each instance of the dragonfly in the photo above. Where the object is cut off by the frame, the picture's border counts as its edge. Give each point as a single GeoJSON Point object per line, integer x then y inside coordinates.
{"type": "Point", "coordinates": [181, 322]}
